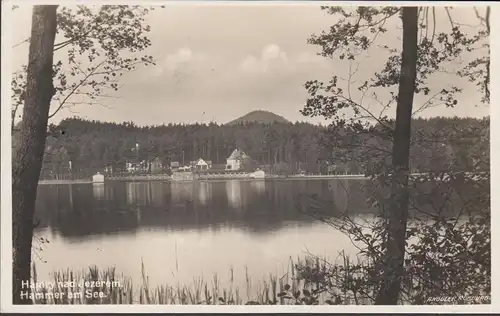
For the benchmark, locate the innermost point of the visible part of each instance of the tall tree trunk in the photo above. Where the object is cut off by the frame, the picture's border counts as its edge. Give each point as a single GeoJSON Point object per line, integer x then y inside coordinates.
{"type": "Point", "coordinates": [27, 161]}
{"type": "Point", "coordinates": [398, 208]}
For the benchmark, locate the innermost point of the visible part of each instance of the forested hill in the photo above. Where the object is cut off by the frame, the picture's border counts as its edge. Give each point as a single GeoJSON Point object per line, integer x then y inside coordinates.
{"type": "Point", "coordinates": [264, 117]}
{"type": "Point", "coordinates": [92, 145]}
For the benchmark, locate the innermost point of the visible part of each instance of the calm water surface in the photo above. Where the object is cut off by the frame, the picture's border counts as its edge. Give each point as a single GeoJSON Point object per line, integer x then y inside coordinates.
{"type": "Point", "coordinates": [182, 231]}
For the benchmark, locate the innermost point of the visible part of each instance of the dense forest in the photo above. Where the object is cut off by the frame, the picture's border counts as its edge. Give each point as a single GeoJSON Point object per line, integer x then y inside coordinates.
{"type": "Point", "coordinates": [462, 143]}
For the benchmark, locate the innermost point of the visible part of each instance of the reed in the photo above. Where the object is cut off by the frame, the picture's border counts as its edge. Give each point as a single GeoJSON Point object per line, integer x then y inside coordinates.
{"type": "Point", "coordinates": [119, 289]}
{"type": "Point", "coordinates": [310, 281]}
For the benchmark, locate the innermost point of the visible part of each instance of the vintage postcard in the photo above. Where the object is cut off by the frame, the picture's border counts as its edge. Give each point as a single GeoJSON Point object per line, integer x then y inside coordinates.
{"type": "Point", "coordinates": [228, 156]}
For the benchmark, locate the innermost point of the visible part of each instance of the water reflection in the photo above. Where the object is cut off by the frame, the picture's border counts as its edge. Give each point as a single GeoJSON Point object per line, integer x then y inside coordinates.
{"type": "Point", "coordinates": [157, 193]}
{"type": "Point", "coordinates": [70, 196]}
{"type": "Point", "coordinates": [201, 227]}
{"type": "Point", "coordinates": [339, 191]}
{"type": "Point", "coordinates": [130, 189]}
{"type": "Point", "coordinates": [257, 206]}
{"type": "Point", "coordinates": [204, 193]}
{"type": "Point", "coordinates": [233, 189]}
{"type": "Point", "coordinates": [181, 192]}
{"type": "Point", "coordinates": [259, 186]}
{"type": "Point", "coordinates": [97, 188]}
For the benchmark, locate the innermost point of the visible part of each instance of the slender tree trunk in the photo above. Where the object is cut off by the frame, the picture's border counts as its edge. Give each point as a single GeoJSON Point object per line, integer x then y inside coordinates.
{"type": "Point", "coordinates": [398, 208]}
{"type": "Point", "coordinates": [27, 161]}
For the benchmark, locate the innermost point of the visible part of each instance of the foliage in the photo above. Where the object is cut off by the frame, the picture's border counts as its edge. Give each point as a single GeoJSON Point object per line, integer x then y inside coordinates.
{"type": "Point", "coordinates": [443, 148]}
{"type": "Point", "coordinates": [352, 37]}
{"type": "Point", "coordinates": [91, 145]}
{"type": "Point", "coordinates": [96, 47]}
{"type": "Point", "coordinates": [448, 251]}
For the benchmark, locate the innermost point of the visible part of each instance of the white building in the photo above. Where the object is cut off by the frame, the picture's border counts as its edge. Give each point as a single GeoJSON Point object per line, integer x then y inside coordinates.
{"type": "Point", "coordinates": [201, 164]}
{"type": "Point", "coordinates": [235, 161]}
{"type": "Point", "coordinates": [184, 168]}
{"type": "Point", "coordinates": [258, 174]}
{"type": "Point", "coordinates": [98, 178]}
{"type": "Point", "coordinates": [134, 167]}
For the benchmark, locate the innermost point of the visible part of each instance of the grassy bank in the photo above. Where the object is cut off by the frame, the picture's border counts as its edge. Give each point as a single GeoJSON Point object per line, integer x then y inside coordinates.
{"type": "Point", "coordinates": [309, 281]}
{"type": "Point", "coordinates": [77, 287]}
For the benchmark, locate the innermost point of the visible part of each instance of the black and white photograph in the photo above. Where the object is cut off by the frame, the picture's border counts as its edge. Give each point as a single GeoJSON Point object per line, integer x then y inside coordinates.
{"type": "Point", "coordinates": [240, 153]}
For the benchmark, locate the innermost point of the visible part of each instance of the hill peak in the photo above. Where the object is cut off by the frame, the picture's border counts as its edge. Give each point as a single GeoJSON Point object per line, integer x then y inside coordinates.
{"type": "Point", "coordinates": [259, 116]}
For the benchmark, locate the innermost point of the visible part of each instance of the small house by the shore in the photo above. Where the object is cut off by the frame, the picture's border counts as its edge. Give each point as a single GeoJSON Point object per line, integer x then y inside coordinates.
{"type": "Point", "coordinates": [201, 164]}
{"type": "Point", "coordinates": [235, 160]}
{"type": "Point", "coordinates": [156, 165]}
{"type": "Point", "coordinates": [184, 168]}
{"type": "Point", "coordinates": [98, 178]}
{"type": "Point", "coordinates": [258, 174]}
{"type": "Point", "coordinates": [136, 166]}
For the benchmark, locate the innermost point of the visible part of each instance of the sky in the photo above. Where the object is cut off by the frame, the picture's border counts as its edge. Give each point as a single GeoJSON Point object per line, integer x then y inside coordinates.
{"type": "Point", "coordinates": [219, 62]}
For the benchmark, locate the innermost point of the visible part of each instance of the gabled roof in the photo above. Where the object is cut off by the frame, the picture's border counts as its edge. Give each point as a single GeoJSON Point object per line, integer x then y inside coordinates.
{"type": "Point", "coordinates": [200, 159]}
{"type": "Point", "coordinates": [238, 154]}
{"type": "Point", "coordinates": [235, 154]}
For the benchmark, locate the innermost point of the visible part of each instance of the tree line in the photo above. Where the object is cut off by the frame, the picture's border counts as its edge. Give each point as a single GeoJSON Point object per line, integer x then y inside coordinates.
{"type": "Point", "coordinates": [91, 146]}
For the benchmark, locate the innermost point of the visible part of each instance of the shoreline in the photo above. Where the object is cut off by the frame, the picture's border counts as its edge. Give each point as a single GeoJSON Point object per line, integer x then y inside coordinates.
{"type": "Point", "coordinates": [213, 179]}
{"type": "Point", "coordinates": [140, 179]}
{"type": "Point", "coordinates": [45, 182]}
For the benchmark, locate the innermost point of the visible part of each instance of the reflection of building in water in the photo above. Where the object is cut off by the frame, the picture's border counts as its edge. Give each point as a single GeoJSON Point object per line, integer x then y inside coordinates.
{"type": "Point", "coordinates": [140, 193]}
{"type": "Point", "coordinates": [130, 187]}
{"type": "Point", "coordinates": [233, 189]}
{"type": "Point", "coordinates": [182, 191]}
{"type": "Point", "coordinates": [109, 190]}
{"type": "Point", "coordinates": [259, 186]}
{"type": "Point", "coordinates": [340, 194]}
{"type": "Point", "coordinates": [157, 191]}
{"type": "Point", "coordinates": [70, 196]}
{"type": "Point", "coordinates": [204, 193]}
{"type": "Point", "coordinates": [98, 189]}
{"type": "Point", "coordinates": [138, 214]}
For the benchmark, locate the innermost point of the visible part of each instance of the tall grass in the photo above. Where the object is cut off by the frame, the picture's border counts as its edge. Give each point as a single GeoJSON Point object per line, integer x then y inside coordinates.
{"type": "Point", "coordinates": [309, 281]}
{"type": "Point", "coordinates": [118, 289]}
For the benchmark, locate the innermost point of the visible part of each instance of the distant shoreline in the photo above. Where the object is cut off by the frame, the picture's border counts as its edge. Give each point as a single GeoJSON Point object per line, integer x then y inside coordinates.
{"type": "Point", "coordinates": [42, 182]}
{"type": "Point", "coordinates": [270, 177]}
{"type": "Point", "coordinates": [141, 179]}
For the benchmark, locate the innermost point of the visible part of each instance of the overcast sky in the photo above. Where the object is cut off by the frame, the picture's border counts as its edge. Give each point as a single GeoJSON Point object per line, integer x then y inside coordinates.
{"type": "Point", "coordinates": [229, 60]}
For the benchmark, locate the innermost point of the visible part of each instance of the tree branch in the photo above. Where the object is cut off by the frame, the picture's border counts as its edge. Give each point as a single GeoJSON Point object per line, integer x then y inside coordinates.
{"type": "Point", "coordinates": [76, 88]}
{"type": "Point", "coordinates": [22, 42]}
{"type": "Point", "coordinates": [65, 43]}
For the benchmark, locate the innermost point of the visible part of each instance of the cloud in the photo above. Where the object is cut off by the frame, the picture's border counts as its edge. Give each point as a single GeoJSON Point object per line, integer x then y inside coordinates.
{"type": "Point", "coordinates": [182, 56]}
{"type": "Point", "coordinates": [271, 57]}
{"type": "Point", "coordinates": [273, 52]}
{"type": "Point", "coordinates": [175, 62]}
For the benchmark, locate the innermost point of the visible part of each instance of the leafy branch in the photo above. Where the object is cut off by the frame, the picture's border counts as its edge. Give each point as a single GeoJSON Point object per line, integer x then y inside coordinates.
{"type": "Point", "coordinates": [115, 34]}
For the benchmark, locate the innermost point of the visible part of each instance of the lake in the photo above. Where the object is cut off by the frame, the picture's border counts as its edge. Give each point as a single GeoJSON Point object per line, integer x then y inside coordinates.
{"type": "Point", "coordinates": [182, 231]}
{"type": "Point", "coordinates": [185, 230]}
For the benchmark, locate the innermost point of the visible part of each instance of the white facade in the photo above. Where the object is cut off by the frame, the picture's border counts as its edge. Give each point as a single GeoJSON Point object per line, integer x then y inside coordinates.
{"type": "Point", "coordinates": [134, 167]}
{"type": "Point", "coordinates": [98, 178]}
{"type": "Point", "coordinates": [259, 174]}
{"type": "Point", "coordinates": [202, 164]}
{"type": "Point", "coordinates": [184, 168]}
{"type": "Point", "coordinates": [234, 162]}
